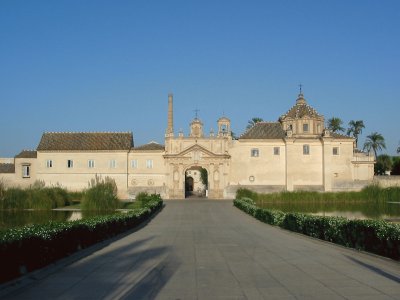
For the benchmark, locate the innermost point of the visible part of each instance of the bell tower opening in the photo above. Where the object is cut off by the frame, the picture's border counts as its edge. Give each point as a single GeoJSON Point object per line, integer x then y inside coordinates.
{"type": "Point", "coordinates": [196, 182]}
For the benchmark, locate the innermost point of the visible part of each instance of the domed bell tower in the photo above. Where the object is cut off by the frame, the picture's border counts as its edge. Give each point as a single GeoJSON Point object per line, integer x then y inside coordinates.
{"type": "Point", "coordinates": [224, 127]}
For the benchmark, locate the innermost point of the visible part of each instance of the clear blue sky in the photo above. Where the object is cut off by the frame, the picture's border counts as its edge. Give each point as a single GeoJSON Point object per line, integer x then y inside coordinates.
{"type": "Point", "coordinates": [109, 65]}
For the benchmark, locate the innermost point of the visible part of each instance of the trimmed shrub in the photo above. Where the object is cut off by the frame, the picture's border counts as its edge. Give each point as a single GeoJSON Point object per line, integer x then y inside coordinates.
{"type": "Point", "coordinates": [31, 247]}
{"type": "Point", "coordinates": [374, 236]}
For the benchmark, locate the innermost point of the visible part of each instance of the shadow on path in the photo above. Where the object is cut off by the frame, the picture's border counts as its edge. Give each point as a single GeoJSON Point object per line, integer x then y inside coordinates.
{"type": "Point", "coordinates": [375, 269]}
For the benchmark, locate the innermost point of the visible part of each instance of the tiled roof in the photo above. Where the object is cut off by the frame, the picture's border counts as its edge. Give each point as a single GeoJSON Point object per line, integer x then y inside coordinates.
{"type": "Point", "coordinates": [27, 154]}
{"type": "Point", "coordinates": [7, 168]}
{"type": "Point", "coordinates": [300, 110]}
{"type": "Point", "coordinates": [150, 146]}
{"type": "Point", "coordinates": [264, 130]}
{"type": "Point", "coordinates": [85, 141]}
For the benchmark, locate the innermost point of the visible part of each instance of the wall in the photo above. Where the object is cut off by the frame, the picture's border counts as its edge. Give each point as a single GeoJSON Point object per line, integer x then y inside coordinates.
{"type": "Point", "coordinates": [78, 177]}
{"type": "Point", "coordinates": [144, 179]}
{"type": "Point", "coordinates": [266, 169]}
{"type": "Point", "coordinates": [387, 181]}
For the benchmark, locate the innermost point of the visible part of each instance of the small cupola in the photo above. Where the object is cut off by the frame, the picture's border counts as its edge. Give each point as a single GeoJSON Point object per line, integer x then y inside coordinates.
{"type": "Point", "coordinates": [224, 127]}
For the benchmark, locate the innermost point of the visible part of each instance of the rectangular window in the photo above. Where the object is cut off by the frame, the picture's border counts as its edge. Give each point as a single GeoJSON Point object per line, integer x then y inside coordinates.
{"type": "Point", "coordinates": [91, 163]}
{"type": "Point", "coordinates": [26, 171]}
{"type": "Point", "coordinates": [277, 150]}
{"type": "Point", "coordinates": [335, 150]}
{"type": "Point", "coordinates": [306, 149]}
{"type": "Point", "coordinates": [305, 127]}
{"type": "Point", "coordinates": [149, 164]}
{"type": "Point", "coordinates": [49, 163]}
{"type": "Point", "coordinates": [113, 164]}
{"type": "Point", "coordinates": [134, 163]}
{"type": "Point", "coordinates": [70, 163]}
{"type": "Point", "coordinates": [255, 152]}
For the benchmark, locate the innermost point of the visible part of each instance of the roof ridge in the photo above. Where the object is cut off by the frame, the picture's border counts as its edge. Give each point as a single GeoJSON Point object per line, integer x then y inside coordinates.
{"type": "Point", "coordinates": [74, 132]}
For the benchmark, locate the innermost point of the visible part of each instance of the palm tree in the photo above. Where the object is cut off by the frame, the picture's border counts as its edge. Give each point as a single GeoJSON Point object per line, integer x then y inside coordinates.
{"type": "Point", "coordinates": [335, 124]}
{"type": "Point", "coordinates": [253, 122]}
{"type": "Point", "coordinates": [375, 141]}
{"type": "Point", "coordinates": [355, 129]}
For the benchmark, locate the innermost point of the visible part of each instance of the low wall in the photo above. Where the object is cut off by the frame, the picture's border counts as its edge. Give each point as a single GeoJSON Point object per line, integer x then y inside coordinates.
{"type": "Point", "coordinates": [230, 191]}
{"type": "Point", "coordinates": [387, 181]}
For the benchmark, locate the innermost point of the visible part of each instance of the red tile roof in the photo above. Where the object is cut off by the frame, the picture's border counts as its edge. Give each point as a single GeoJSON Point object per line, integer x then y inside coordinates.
{"type": "Point", "coordinates": [85, 141]}
{"type": "Point", "coordinates": [27, 154]}
{"type": "Point", "coordinates": [7, 168]}
{"type": "Point", "coordinates": [264, 130]}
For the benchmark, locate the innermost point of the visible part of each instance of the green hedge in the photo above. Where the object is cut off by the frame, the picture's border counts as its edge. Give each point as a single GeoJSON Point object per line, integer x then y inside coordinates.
{"type": "Point", "coordinates": [374, 236]}
{"type": "Point", "coordinates": [31, 247]}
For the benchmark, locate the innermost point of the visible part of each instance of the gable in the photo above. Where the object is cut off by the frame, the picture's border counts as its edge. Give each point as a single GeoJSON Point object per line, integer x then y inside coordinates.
{"type": "Point", "coordinates": [197, 151]}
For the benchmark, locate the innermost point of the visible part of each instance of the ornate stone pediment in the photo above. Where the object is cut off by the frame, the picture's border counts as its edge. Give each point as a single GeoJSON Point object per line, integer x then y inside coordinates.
{"type": "Point", "coordinates": [197, 152]}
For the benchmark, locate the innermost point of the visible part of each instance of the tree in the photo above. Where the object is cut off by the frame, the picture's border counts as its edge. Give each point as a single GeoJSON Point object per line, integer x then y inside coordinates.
{"type": "Point", "coordinates": [374, 141]}
{"type": "Point", "coordinates": [335, 124]}
{"type": "Point", "coordinates": [355, 129]}
{"type": "Point", "coordinates": [383, 163]}
{"type": "Point", "coordinates": [204, 177]}
{"type": "Point", "coordinates": [396, 165]}
{"type": "Point", "coordinates": [253, 122]}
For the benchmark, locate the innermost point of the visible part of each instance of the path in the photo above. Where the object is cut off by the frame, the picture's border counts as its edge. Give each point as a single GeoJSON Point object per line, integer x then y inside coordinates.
{"type": "Point", "coordinates": [203, 249]}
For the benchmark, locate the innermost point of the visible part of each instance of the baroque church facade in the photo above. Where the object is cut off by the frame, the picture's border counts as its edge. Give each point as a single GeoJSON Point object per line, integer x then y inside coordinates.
{"type": "Point", "coordinates": [294, 153]}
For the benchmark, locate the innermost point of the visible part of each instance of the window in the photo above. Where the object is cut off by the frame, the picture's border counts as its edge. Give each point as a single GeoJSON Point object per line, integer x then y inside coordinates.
{"type": "Point", "coordinates": [134, 163]}
{"type": "Point", "coordinates": [49, 163]}
{"type": "Point", "coordinates": [91, 163]}
{"type": "Point", "coordinates": [70, 163]}
{"type": "Point", "coordinates": [113, 164]}
{"type": "Point", "coordinates": [306, 149]}
{"type": "Point", "coordinates": [277, 150]}
{"type": "Point", "coordinates": [149, 164]}
{"type": "Point", "coordinates": [305, 127]}
{"type": "Point", "coordinates": [255, 153]}
{"type": "Point", "coordinates": [26, 171]}
{"type": "Point", "coordinates": [335, 150]}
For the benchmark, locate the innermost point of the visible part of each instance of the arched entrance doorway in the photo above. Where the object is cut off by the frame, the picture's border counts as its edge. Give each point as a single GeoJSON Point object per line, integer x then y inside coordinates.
{"type": "Point", "coordinates": [196, 182]}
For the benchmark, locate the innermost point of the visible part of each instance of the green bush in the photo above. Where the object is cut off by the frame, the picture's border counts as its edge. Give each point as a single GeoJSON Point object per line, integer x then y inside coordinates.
{"type": "Point", "coordinates": [144, 198]}
{"type": "Point", "coordinates": [101, 196]}
{"type": "Point", "coordinates": [15, 198]}
{"type": "Point", "coordinates": [245, 193]}
{"type": "Point", "coordinates": [2, 190]}
{"type": "Point", "coordinates": [34, 198]}
{"type": "Point", "coordinates": [375, 236]}
{"type": "Point", "coordinates": [34, 246]}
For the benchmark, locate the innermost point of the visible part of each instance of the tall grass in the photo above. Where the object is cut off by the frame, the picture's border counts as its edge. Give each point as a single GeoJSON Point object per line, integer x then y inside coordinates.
{"type": "Point", "coordinates": [101, 196]}
{"type": "Point", "coordinates": [41, 198]}
{"type": "Point", "coordinates": [369, 193]}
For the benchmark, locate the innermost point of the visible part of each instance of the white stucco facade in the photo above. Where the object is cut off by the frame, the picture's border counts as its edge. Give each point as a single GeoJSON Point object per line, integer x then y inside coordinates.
{"type": "Point", "coordinates": [294, 153]}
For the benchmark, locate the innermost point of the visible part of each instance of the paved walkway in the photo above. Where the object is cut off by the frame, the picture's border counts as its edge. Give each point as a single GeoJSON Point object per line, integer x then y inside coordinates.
{"type": "Point", "coordinates": [203, 249]}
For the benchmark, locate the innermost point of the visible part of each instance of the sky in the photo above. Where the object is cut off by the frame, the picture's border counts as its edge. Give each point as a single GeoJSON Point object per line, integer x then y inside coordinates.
{"type": "Point", "coordinates": [90, 66]}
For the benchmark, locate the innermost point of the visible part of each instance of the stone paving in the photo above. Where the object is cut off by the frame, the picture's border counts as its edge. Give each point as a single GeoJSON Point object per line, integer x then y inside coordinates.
{"type": "Point", "coordinates": [204, 249]}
